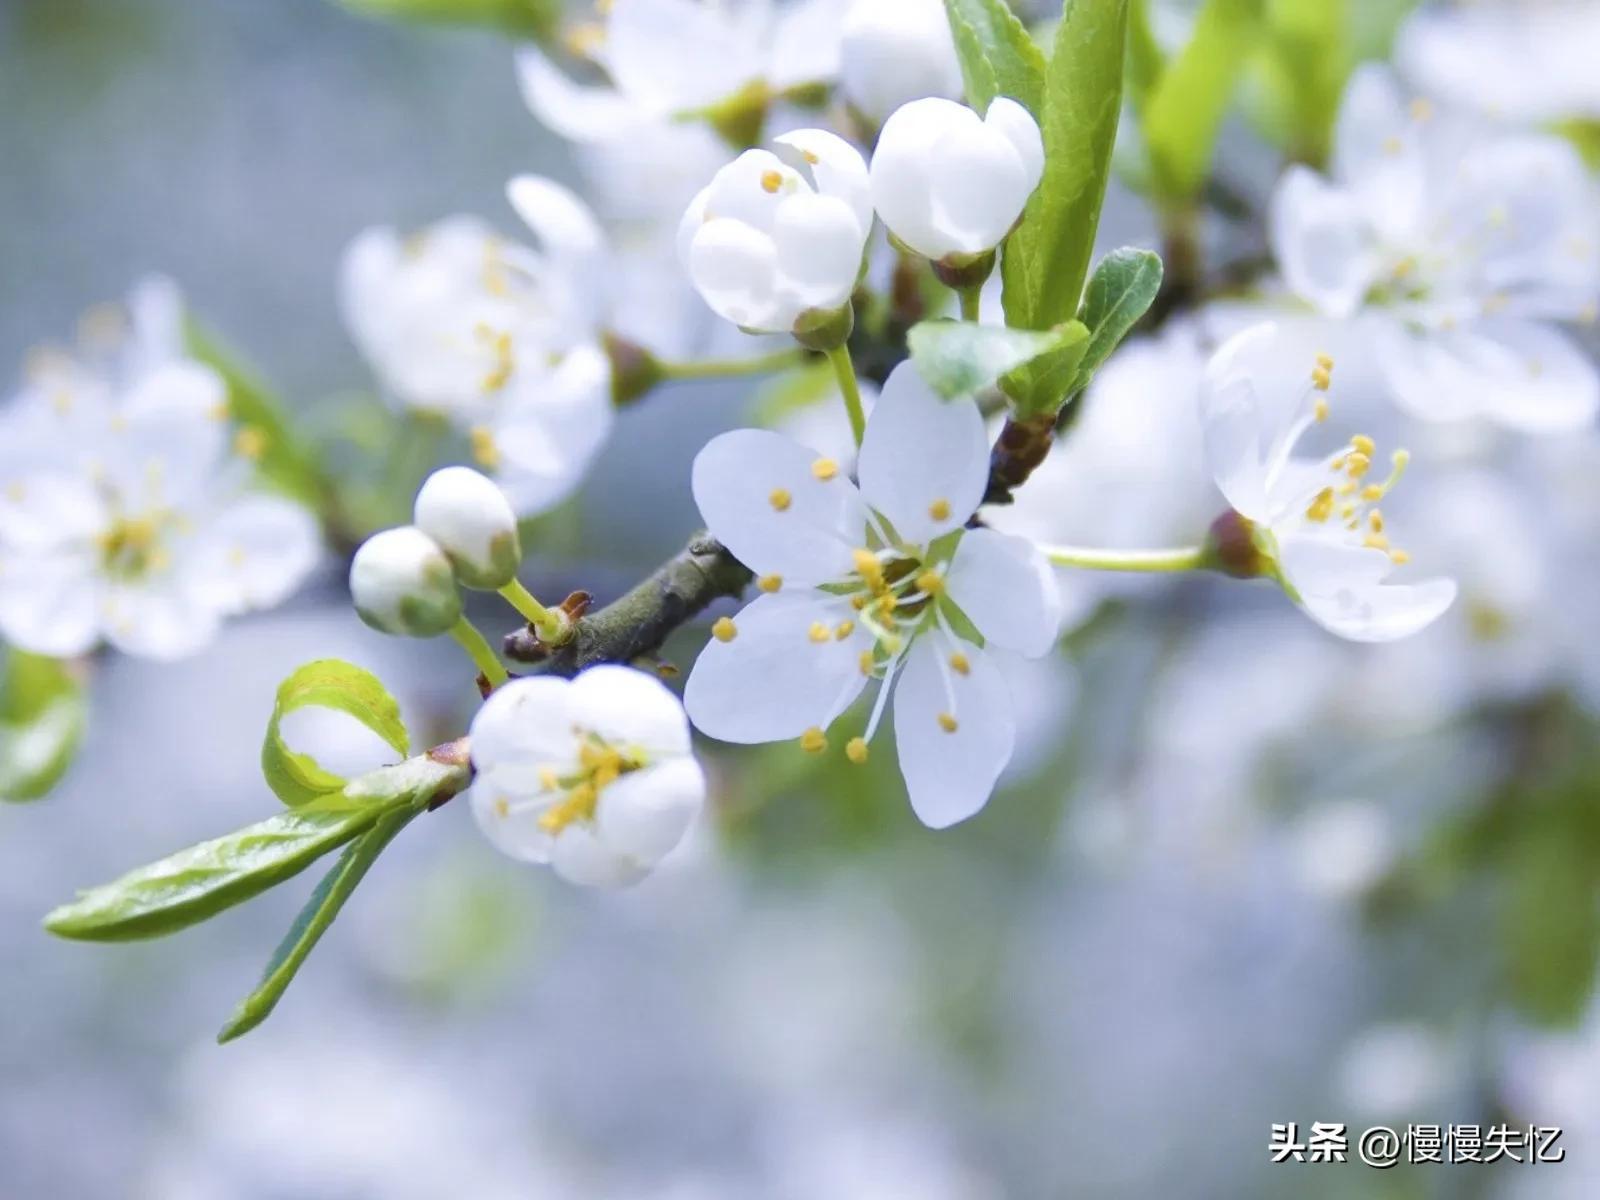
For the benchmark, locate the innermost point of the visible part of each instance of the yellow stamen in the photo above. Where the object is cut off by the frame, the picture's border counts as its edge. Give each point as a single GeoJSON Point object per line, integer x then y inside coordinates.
{"type": "Point", "coordinates": [813, 741]}
{"type": "Point", "coordinates": [1399, 557]}
{"type": "Point", "coordinates": [549, 780]}
{"type": "Point", "coordinates": [867, 565]}
{"type": "Point", "coordinates": [1375, 520]}
{"type": "Point", "coordinates": [501, 807]}
{"type": "Point", "coordinates": [858, 602]}
{"type": "Point", "coordinates": [1363, 444]}
{"type": "Point", "coordinates": [931, 582]}
{"type": "Point", "coordinates": [887, 603]}
{"type": "Point", "coordinates": [484, 449]}
{"type": "Point", "coordinates": [1357, 465]}
{"type": "Point", "coordinates": [867, 662]}
{"type": "Point", "coordinates": [939, 510]}
{"type": "Point", "coordinates": [250, 443]}
{"type": "Point", "coordinates": [1321, 379]}
{"type": "Point", "coordinates": [960, 664]}
{"type": "Point", "coordinates": [770, 583]}
{"type": "Point", "coordinates": [1319, 410]}
{"type": "Point", "coordinates": [824, 469]}
{"type": "Point", "coordinates": [843, 630]}
{"type": "Point", "coordinates": [1375, 541]}
{"type": "Point", "coordinates": [780, 499]}
{"type": "Point", "coordinates": [1421, 109]}
{"type": "Point", "coordinates": [724, 630]}
{"type": "Point", "coordinates": [819, 632]}
{"type": "Point", "coordinates": [947, 722]}
{"type": "Point", "coordinates": [771, 181]}
{"type": "Point", "coordinates": [856, 750]}
{"type": "Point", "coordinates": [1321, 507]}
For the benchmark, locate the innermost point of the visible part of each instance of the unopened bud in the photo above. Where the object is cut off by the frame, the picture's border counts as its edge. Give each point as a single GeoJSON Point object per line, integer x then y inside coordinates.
{"type": "Point", "coordinates": [470, 518]}
{"type": "Point", "coordinates": [402, 583]}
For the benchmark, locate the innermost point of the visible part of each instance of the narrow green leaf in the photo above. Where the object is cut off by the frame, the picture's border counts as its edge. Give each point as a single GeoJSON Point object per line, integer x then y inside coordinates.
{"type": "Point", "coordinates": [201, 881]}
{"type": "Point", "coordinates": [998, 55]}
{"type": "Point", "coordinates": [43, 711]}
{"type": "Point", "coordinates": [1146, 61]}
{"type": "Point", "coordinates": [956, 358]}
{"type": "Point", "coordinates": [320, 909]}
{"type": "Point", "coordinates": [1046, 258]}
{"type": "Point", "coordinates": [1184, 111]}
{"type": "Point", "coordinates": [284, 460]}
{"type": "Point", "coordinates": [1120, 291]}
{"type": "Point", "coordinates": [1043, 384]}
{"type": "Point", "coordinates": [295, 778]}
{"type": "Point", "coordinates": [540, 19]}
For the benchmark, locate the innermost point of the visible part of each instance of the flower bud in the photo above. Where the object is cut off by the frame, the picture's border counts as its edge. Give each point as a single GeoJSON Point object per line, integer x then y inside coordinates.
{"type": "Point", "coordinates": [894, 52]}
{"type": "Point", "coordinates": [471, 520]}
{"type": "Point", "coordinates": [402, 583]}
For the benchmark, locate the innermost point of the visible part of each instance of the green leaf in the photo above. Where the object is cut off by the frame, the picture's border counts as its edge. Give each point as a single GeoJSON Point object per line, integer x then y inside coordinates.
{"type": "Point", "coordinates": [998, 55]}
{"type": "Point", "coordinates": [956, 358]}
{"type": "Point", "coordinates": [284, 460]}
{"type": "Point", "coordinates": [1549, 924]}
{"type": "Point", "coordinates": [43, 711]}
{"type": "Point", "coordinates": [1044, 384]}
{"type": "Point", "coordinates": [1047, 257]}
{"type": "Point", "coordinates": [201, 881]}
{"type": "Point", "coordinates": [295, 778]}
{"type": "Point", "coordinates": [1120, 291]}
{"type": "Point", "coordinates": [1183, 112]}
{"type": "Point", "coordinates": [324, 905]}
{"type": "Point", "coordinates": [540, 19]}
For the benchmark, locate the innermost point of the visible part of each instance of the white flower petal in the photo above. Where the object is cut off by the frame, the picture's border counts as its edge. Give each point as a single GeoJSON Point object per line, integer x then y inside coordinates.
{"type": "Point", "coordinates": [1016, 124]}
{"type": "Point", "coordinates": [550, 428]}
{"type": "Point", "coordinates": [734, 267]}
{"type": "Point", "coordinates": [1341, 586]}
{"type": "Point", "coordinates": [575, 112]}
{"type": "Point", "coordinates": [819, 245]}
{"type": "Point", "coordinates": [645, 814]}
{"type": "Point", "coordinates": [158, 618]}
{"type": "Point", "coordinates": [524, 725]}
{"type": "Point", "coordinates": [1378, 153]}
{"type": "Point", "coordinates": [772, 682]}
{"type": "Point", "coordinates": [835, 165]}
{"type": "Point", "coordinates": [1321, 243]}
{"type": "Point", "coordinates": [254, 554]}
{"type": "Point", "coordinates": [978, 184]}
{"type": "Point", "coordinates": [805, 43]}
{"type": "Point", "coordinates": [627, 707]}
{"type": "Point", "coordinates": [1007, 589]}
{"type": "Point", "coordinates": [950, 775]}
{"type": "Point", "coordinates": [672, 55]}
{"type": "Point", "coordinates": [568, 232]}
{"type": "Point", "coordinates": [759, 494]}
{"type": "Point", "coordinates": [508, 815]}
{"type": "Point", "coordinates": [900, 167]}
{"type": "Point", "coordinates": [47, 603]}
{"type": "Point", "coordinates": [924, 461]}
{"type": "Point", "coordinates": [580, 857]}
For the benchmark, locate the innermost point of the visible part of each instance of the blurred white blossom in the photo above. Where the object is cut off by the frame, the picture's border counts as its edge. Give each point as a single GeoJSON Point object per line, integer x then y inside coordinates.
{"type": "Point", "coordinates": [894, 52]}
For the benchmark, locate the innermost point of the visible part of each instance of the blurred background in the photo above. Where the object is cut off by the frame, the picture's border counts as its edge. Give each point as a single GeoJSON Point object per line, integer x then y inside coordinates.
{"type": "Point", "coordinates": [1241, 874]}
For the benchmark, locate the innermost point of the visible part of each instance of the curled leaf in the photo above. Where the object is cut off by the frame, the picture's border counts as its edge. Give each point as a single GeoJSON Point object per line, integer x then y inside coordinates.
{"type": "Point", "coordinates": [296, 778]}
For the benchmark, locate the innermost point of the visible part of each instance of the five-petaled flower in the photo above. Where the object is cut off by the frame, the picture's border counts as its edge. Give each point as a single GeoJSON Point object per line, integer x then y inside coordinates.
{"type": "Point", "coordinates": [1460, 245]}
{"type": "Point", "coordinates": [592, 775]}
{"type": "Point", "coordinates": [878, 584]}
{"type": "Point", "coordinates": [1314, 525]}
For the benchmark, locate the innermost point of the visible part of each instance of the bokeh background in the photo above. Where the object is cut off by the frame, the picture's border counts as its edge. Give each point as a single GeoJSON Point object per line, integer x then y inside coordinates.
{"type": "Point", "coordinates": [1212, 897]}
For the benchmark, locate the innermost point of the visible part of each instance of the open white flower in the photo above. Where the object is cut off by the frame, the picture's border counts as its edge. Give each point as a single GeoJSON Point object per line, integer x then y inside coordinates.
{"type": "Point", "coordinates": [498, 337]}
{"type": "Point", "coordinates": [1461, 246]}
{"type": "Point", "coordinates": [1316, 523]}
{"type": "Point", "coordinates": [127, 506]}
{"type": "Point", "coordinates": [592, 775]}
{"type": "Point", "coordinates": [879, 584]}
{"type": "Point", "coordinates": [779, 235]}
{"type": "Point", "coordinates": [894, 52]}
{"type": "Point", "coordinates": [947, 183]}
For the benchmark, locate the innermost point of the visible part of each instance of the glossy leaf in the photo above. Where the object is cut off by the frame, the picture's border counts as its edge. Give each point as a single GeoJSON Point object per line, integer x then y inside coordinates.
{"type": "Point", "coordinates": [956, 358]}
{"type": "Point", "coordinates": [1120, 291]}
{"type": "Point", "coordinates": [1043, 385]}
{"type": "Point", "coordinates": [1046, 258]}
{"type": "Point", "coordinates": [43, 711]}
{"type": "Point", "coordinates": [319, 912]}
{"type": "Point", "coordinates": [998, 55]}
{"type": "Point", "coordinates": [296, 778]}
{"type": "Point", "coordinates": [201, 881]}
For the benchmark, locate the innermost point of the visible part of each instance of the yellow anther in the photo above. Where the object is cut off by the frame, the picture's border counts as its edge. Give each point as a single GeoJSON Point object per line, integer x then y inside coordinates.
{"type": "Point", "coordinates": [1373, 491]}
{"type": "Point", "coordinates": [780, 499]}
{"type": "Point", "coordinates": [1321, 506]}
{"type": "Point", "coordinates": [930, 582]}
{"type": "Point", "coordinates": [577, 805]}
{"type": "Point", "coordinates": [819, 632]}
{"type": "Point", "coordinates": [810, 157]}
{"type": "Point", "coordinates": [843, 630]}
{"type": "Point", "coordinates": [1319, 410]}
{"type": "Point", "coordinates": [858, 601]}
{"type": "Point", "coordinates": [856, 750]}
{"type": "Point", "coordinates": [505, 363]}
{"type": "Point", "coordinates": [218, 411]}
{"type": "Point", "coordinates": [1325, 361]}
{"type": "Point", "coordinates": [867, 661]}
{"type": "Point", "coordinates": [867, 565]}
{"type": "Point", "coordinates": [939, 510]}
{"type": "Point", "coordinates": [502, 808]}
{"type": "Point", "coordinates": [1348, 488]}
{"type": "Point", "coordinates": [1399, 557]}
{"type": "Point", "coordinates": [771, 181]}
{"type": "Point", "coordinates": [1421, 109]}
{"type": "Point", "coordinates": [770, 583]}
{"type": "Point", "coordinates": [1357, 465]}
{"type": "Point", "coordinates": [250, 443]}
{"type": "Point", "coordinates": [813, 741]}
{"type": "Point", "coordinates": [1404, 268]}
{"type": "Point", "coordinates": [1375, 520]}
{"type": "Point", "coordinates": [824, 469]}
{"type": "Point", "coordinates": [947, 722]}
{"type": "Point", "coordinates": [1375, 541]}
{"type": "Point", "coordinates": [960, 664]}
{"type": "Point", "coordinates": [1362, 444]}
{"type": "Point", "coordinates": [1393, 145]}
{"type": "Point", "coordinates": [484, 449]}
{"type": "Point", "coordinates": [549, 780]}
{"type": "Point", "coordinates": [887, 603]}
{"type": "Point", "coordinates": [1321, 379]}
{"type": "Point", "coordinates": [724, 630]}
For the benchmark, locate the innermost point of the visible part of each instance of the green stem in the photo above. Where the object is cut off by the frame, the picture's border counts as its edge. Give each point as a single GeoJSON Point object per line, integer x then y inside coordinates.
{"type": "Point", "coordinates": [733, 368]}
{"type": "Point", "coordinates": [1183, 558]}
{"type": "Point", "coordinates": [477, 648]}
{"type": "Point", "coordinates": [844, 369]}
{"type": "Point", "coordinates": [971, 302]}
{"type": "Point", "coordinates": [550, 624]}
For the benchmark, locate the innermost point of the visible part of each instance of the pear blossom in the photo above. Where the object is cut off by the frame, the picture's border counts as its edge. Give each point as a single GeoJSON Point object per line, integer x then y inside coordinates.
{"type": "Point", "coordinates": [129, 510]}
{"type": "Point", "coordinates": [1460, 246]}
{"type": "Point", "coordinates": [950, 184]}
{"type": "Point", "coordinates": [894, 52]}
{"type": "Point", "coordinates": [777, 236]}
{"type": "Point", "coordinates": [401, 582]}
{"type": "Point", "coordinates": [1315, 523]}
{"type": "Point", "coordinates": [471, 520]}
{"type": "Point", "coordinates": [592, 775]}
{"type": "Point", "coordinates": [499, 338]}
{"type": "Point", "coordinates": [882, 583]}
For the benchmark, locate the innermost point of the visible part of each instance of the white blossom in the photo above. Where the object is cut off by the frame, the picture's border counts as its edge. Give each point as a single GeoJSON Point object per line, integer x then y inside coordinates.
{"type": "Point", "coordinates": [471, 520]}
{"type": "Point", "coordinates": [882, 584]}
{"type": "Point", "coordinates": [894, 52]}
{"type": "Point", "coordinates": [948, 184]}
{"type": "Point", "coordinates": [1316, 522]}
{"type": "Point", "coordinates": [1460, 246]}
{"type": "Point", "coordinates": [592, 775]}
{"type": "Point", "coordinates": [128, 505]}
{"type": "Point", "coordinates": [402, 583]}
{"type": "Point", "coordinates": [779, 235]}
{"type": "Point", "coordinates": [499, 338]}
